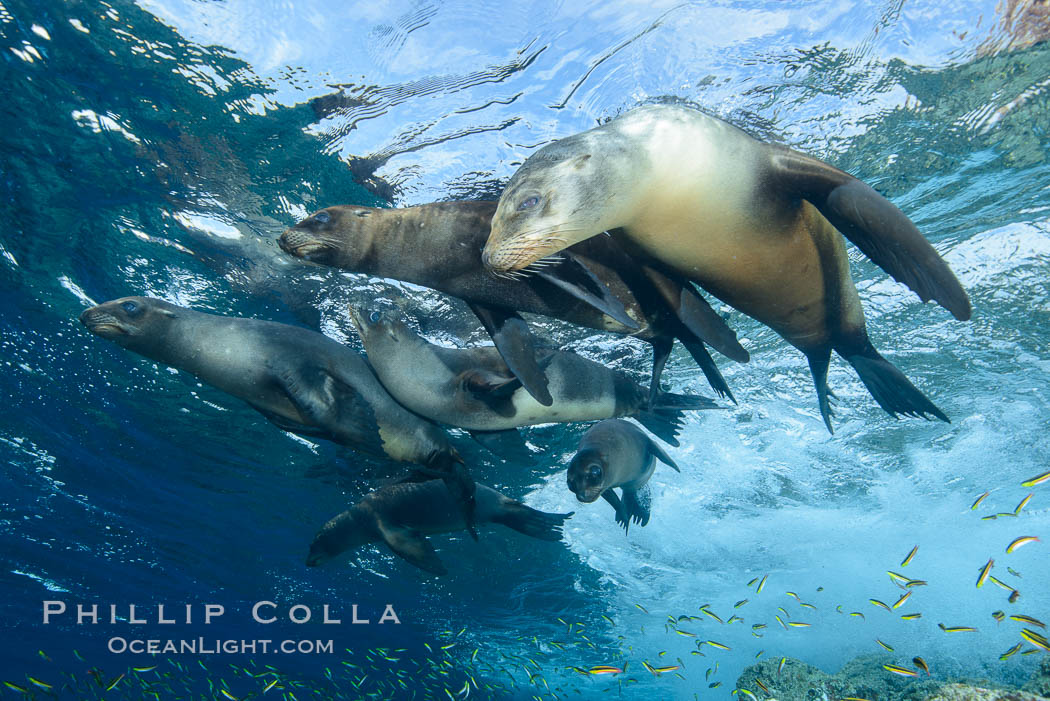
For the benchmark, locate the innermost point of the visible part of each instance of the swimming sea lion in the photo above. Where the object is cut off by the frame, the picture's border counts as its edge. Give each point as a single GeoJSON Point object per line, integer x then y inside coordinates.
{"type": "Point", "coordinates": [300, 380]}
{"type": "Point", "coordinates": [472, 388]}
{"type": "Point", "coordinates": [752, 223]}
{"type": "Point", "coordinates": [402, 515]}
{"type": "Point", "coordinates": [616, 453]}
{"type": "Point", "coordinates": [439, 246]}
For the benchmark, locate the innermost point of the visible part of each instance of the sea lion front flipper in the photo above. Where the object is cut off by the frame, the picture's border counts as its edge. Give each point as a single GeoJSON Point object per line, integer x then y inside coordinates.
{"type": "Point", "coordinates": [638, 504]}
{"type": "Point", "coordinates": [696, 314]}
{"type": "Point", "coordinates": [507, 444]}
{"type": "Point", "coordinates": [661, 455]}
{"type": "Point", "coordinates": [517, 346]}
{"type": "Point", "coordinates": [331, 404]}
{"type": "Point", "coordinates": [412, 546]}
{"type": "Point", "coordinates": [573, 276]}
{"type": "Point", "coordinates": [875, 225]}
{"type": "Point", "coordinates": [622, 517]}
{"type": "Point", "coordinates": [286, 424]}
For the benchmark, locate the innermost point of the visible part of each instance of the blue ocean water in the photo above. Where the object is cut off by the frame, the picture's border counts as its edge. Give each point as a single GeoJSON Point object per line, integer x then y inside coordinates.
{"type": "Point", "coordinates": [160, 147]}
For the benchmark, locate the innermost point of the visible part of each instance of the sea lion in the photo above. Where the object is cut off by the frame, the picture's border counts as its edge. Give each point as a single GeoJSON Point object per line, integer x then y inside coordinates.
{"type": "Point", "coordinates": [752, 223]}
{"type": "Point", "coordinates": [473, 388]}
{"type": "Point", "coordinates": [616, 453]}
{"type": "Point", "coordinates": [439, 246]}
{"type": "Point", "coordinates": [402, 515]}
{"type": "Point", "coordinates": [300, 380]}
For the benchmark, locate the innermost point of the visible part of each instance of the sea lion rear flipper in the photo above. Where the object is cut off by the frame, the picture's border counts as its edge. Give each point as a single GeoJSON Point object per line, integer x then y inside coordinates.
{"type": "Point", "coordinates": [507, 444]}
{"type": "Point", "coordinates": [661, 351]}
{"type": "Point", "coordinates": [661, 455]}
{"type": "Point", "coordinates": [703, 359]}
{"type": "Point", "coordinates": [638, 504]}
{"type": "Point", "coordinates": [890, 388]}
{"type": "Point", "coordinates": [485, 384]}
{"type": "Point", "coordinates": [530, 521]}
{"type": "Point", "coordinates": [665, 418]}
{"type": "Point", "coordinates": [332, 404]}
{"type": "Point", "coordinates": [412, 546]}
{"type": "Point", "coordinates": [517, 346]}
{"type": "Point", "coordinates": [573, 276]}
{"type": "Point", "coordinates": [875, 225]}
{"type": "Point", "coordinates": [696, 314]}
{"type": "Point", "coordinates": [622, 517]}
{"type": "Point", "coordinates": [819, 359]}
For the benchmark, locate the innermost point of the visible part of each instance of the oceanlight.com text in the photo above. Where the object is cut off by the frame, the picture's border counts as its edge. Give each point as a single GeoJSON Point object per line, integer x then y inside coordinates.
{"type": "Point", "coordinates": [213, 646]}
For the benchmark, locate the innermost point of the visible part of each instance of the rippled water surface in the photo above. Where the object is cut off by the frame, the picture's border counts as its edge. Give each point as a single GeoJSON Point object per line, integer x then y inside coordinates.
{"type": "Point", "coordinates": [160, 147]}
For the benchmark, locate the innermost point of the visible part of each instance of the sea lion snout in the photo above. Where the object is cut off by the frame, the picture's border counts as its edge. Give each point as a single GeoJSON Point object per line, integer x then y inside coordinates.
{"type": "Point", "coordinates": [102, 323]}
{"type": "Point", "coordinates": [307, 245]}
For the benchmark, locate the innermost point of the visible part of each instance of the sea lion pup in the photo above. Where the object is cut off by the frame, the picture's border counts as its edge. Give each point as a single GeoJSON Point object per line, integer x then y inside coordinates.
{"type": "Point", "coordinates": [472, 388]}
{"type": "Point", "coordinates": [300, 380]}
{"type": "Point", "coordinates": [616, 453]}
{"type": "Point", "coordinates": [402, 515]}
{"type": "Point", "coordinates": [439, 246]}
{"type": "Point", "coordinates": [750, 222]}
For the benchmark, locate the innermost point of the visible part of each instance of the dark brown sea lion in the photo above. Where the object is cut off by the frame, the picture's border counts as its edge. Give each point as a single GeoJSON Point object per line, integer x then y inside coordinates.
{"type": "Point", "coordinates": [752, 223]}
{"type": "Point", "coordinates": [300, 380]}
{"type": "Point", "coordinates": [439, 246]}
{"type": "Point", "coordinates": [403, 515]}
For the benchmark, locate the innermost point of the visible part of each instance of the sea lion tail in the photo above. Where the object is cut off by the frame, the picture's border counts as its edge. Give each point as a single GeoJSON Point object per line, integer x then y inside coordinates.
{"type": "Point", "coordinates": [890, 388]}
{"type": "Point", "coordinates": [531, 522]}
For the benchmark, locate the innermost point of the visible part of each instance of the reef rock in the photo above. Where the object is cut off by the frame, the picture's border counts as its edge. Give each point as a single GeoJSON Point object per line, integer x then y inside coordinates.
{"type": "Point", "coordinates": [965, 692]}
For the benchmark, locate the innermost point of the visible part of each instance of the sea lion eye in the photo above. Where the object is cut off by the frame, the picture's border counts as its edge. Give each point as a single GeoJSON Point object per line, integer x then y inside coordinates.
{"type": "Point", "coordinates": [529, 203]}
{"type": "Point", "coordinates": [323, 217]}
{"type": "Point", "coordinates": [595, 473]}
{"type": "Point", "coordinates": [374, 317]}
{"type": "Point", "coordinates": [130, 307]}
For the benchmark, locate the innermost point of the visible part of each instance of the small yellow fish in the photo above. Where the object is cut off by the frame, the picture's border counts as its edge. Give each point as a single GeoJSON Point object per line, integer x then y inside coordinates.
{"type": "Point", "coordinates": [998, 616]}
{"type": "Point", "coordinates": [921, 664]}
{"type": "Point", "coordinates": [752, 582]}
{"type": "Point", "coordinates": [745, 692]}
{"type": "Point", "coordinates": [957, 629]}
{"type": "Point", "coordinates": [1027, 619]}
{"type": "Point", "coordinates": [1000, 583]}
{"type": "Point", "coordinates": [1023, 503]}
{"type": "Point", "coordinates": [989, 517]}
{"type": "Point", "coordinates": [780, 622]}
{"type": "Point", "coordinates": [878, 603]}
{"type": "Point", "coordinates": [664, 670]}
{"type": "Point", "coordinates": [739, 603]}
{"type": "Point", "coordinates": [911, 616]}
{"type": "Point", "coordinates": [887, 647]}
{"type": "Point", "coordinates": [1038, 479]}
{"type": "Point", "coordinates": [16, 687]}
{"type": "Point", "coordinates": [605, 669]}
{"type": "Point", "coordinates": [37, 682]}
{"type": "Point", "coordinates": [904, 597]}
{"type": "Point", "coordinates": [1012, 651]}
{"type": "Point", "coordinates": [979, 500]}
{"type": "Point", "coordinates": [1036, 639]}
{"type": "Point", "coordinates": [761, 686]}
{"type": "Point", "coordinates": [910, 555]}
{"type": "Point", "coordinates": [984, 572]}
{"type": "Point", "coordinates": [685, 633]}
{"type": "Point", "coordinates": [712, 615]}
{"type": "Point", "coordinates": [228, 695]}
{"type": "Point", "coordinates": [798, 624]}
{"type": "Point", "coordinates": [1023, 540]}
{"type": "Point", "coordinates": [793, 595]}
{"type": "Point", "coordinates": [916, 583]}
{"type": "Point", "coordinates": [1011, 570]}
{"type": "Point", "coordinates": [762, 583]}
{"type": "Point", "coordinates": [780, 667]}
{"type": "Point", "coordinates": [641, 608]}
{"type": "Point", "coordinates": [903, 671]}
{"type": "Point", "coordinates": [733, 619]}
{"type": "Point", "coordinates": [113, 684]}
{"type": "Point", "coordinates": [270, 685]}
{"type": "Point", "coordinates": [898, 579]}
{"type": "Point", "coordinates": [758, 626]}
{"type": "Point", "coordinates": [857, 614]}
{"type": "Point", "coordinates": [720, 646]}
